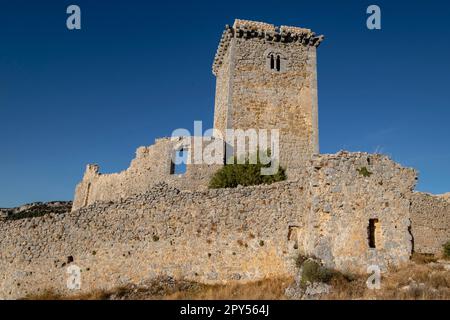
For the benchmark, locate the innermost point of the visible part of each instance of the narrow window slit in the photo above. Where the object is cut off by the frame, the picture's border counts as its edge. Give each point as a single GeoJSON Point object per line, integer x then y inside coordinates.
{"type": "Point", "coordinates": [372, 230]}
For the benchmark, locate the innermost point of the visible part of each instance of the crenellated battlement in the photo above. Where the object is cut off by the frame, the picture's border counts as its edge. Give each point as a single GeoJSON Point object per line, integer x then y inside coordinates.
{"type": "Point", "coordinates": [248, 29]}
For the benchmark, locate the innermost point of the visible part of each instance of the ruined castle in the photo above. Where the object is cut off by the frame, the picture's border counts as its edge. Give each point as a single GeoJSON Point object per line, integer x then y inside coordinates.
{"type": "Point", "coordinates": [350, 210]}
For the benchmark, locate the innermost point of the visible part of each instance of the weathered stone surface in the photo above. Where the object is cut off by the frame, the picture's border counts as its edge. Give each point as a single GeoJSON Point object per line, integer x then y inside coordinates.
{"type": "Point", "coordinates": [251, 95]}
{"type": "Point", "coordinates": [446, 196]}
{"type": "Point", "coordinates": [430, 217]}
{"type": "Point", "coordinates": [338, 222]}
{"type": "Point", "coordinates": [216, 235]}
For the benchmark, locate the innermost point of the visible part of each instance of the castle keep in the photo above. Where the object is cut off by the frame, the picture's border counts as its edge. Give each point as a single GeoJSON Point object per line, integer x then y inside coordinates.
{"type": "Point", "coordinates": [350, 210]}
{"type": "Point", "coordinates": [267, 79]}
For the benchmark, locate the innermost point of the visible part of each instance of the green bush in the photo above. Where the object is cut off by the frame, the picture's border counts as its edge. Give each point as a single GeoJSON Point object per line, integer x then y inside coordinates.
{"type": "Point", "coordinates": [232, 175]}
{"type": "Point", "coordinates": [446, 250]}
{"type": "Point", "coordinates": [364, 172]}
{"type": "Point", "coordinates": [314, 272]}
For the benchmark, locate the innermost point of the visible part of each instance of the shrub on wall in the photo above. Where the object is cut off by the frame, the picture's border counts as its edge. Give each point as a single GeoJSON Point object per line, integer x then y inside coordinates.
{"type": "Point", "coordinates": [364, 172]}
{"type": "Point", "coordinates": [232, 175]}
{"type": "Point", "coordinates": [447, 249]}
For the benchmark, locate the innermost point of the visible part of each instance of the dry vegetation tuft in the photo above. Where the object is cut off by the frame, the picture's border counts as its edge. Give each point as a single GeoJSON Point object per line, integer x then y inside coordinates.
{"type": "Point", "coordinates": [423, 278]}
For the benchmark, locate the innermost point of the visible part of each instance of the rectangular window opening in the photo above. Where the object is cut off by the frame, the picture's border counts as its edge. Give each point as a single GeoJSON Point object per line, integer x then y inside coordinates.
{"type": "Point", "coordinates": [179, 166]}
{"type": "Point", "coordinates": [372, 230]}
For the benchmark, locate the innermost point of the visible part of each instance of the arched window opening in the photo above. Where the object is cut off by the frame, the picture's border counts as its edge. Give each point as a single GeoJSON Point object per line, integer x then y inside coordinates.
{"type": "Point", "coordinates": [275, 61]}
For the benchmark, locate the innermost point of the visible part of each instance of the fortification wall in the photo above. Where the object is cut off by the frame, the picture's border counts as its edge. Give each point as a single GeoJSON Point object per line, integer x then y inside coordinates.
{"type": "Point", "coordinates": [216, 235]}
{"type": "Point", "coordinates": [430, 217]}
{"type": "Point", "coordinates": [210, 236]}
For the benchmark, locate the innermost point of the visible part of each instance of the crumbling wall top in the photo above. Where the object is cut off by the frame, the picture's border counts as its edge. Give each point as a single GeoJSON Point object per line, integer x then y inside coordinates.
{"type": "Point", "coordinates": [247, 29]}
{"type": "Point", "coordinates": [253, 25]}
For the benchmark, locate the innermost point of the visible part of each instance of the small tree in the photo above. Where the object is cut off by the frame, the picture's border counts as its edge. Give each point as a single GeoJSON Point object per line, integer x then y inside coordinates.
{"type": "Point", "coordinates": [232, 175]}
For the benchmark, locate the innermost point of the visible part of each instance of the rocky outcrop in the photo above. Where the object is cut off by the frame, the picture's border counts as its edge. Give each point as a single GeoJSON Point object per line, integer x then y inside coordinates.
{"type": "Point", "coordinates": [35, 209]}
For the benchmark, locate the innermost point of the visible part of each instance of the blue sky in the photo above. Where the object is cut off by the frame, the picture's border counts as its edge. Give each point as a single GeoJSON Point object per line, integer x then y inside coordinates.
{"type": "Point", "coordinates": [139, 69]}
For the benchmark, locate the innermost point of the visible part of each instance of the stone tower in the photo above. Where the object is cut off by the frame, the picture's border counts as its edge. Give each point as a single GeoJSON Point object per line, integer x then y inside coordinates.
{"type": "Point", "coordinates": [266, 78]}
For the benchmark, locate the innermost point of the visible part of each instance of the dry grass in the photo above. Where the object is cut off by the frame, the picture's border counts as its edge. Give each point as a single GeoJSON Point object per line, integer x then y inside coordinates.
{"type": "Point", "coordinates": [432, 282]}
{"type": "Point", "coordinates": [166, 289]}
{"type": "Point", "coordinates": [436, 283]}
{"type": "Point", "coordinates": [268, 289]}
{"type": "Point", "coordinates": [52, 295]}
{"type": "Point", "coordinates": [417, 281]}
{"type": "Point", "coordinates": [421, 258]}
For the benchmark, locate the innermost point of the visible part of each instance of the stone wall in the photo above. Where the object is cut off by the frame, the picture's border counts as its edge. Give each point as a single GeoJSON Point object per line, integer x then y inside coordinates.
{"type": "Point", "coordinates": [222, 96]}
{"type": "Point", "coordinates": [430, 217]}
{"type": "Point", "coordinates": [268, 100]}
{"type": "Point", "coordinates": [347, 190]}
{"type": "Point", "coordinates": [217, 235]}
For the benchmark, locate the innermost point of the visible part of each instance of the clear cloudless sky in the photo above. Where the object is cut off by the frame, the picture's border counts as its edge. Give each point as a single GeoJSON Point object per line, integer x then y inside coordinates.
{"type": "Point", "coordinates": [139, 69]}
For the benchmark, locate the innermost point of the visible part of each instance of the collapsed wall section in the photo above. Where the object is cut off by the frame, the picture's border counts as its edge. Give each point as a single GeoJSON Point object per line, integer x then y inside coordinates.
{"type": "Point", "coordinates": [152, 165]}
{"type": "Point", "coordinates": [430, 217]}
